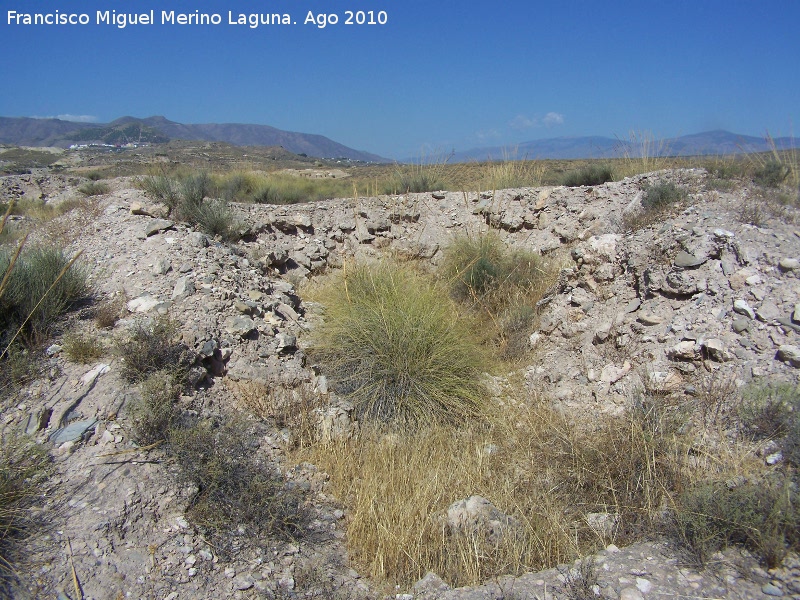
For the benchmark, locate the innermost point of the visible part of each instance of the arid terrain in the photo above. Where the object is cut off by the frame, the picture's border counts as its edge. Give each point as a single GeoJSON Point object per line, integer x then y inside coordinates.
{"type": "Point", "coordinates": [648, 374]}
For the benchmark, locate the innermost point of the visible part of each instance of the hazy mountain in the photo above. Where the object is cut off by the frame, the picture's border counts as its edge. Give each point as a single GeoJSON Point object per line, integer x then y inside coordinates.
{"type": "Point", "coordinates": [54, 132]}
{"type": "Point", "coordinates": [709, 142]}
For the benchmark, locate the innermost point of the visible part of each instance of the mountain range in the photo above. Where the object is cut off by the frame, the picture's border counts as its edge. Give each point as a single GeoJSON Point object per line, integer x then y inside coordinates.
{"type": "Point", "coordinates": [716, 142]}
{"type": "Point", "coordinates": [24, 131]}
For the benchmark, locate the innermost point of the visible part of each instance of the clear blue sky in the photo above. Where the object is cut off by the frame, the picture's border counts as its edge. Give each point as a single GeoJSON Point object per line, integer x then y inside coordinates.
{"type": "Point", "coordinates": [437, 76]}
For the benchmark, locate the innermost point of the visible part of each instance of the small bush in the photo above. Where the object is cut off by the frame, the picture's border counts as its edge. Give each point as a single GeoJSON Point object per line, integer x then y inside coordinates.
{"type": "Point", "coordinates": [661, 196]}
{"type": "Point", "coordinates": [39, 289]}
{"type": "Point", "coordinates": [193, 189]}
{"type": "Point", "coordinates": [94, 188]}
{"type": "Point", "coordinates": [771, 174]}
{"type": "Point", "coordinates": [82, 348]}
{"type": "Point", "coordinates": [150, 347]}
{"type": "Point", "coordinates": [393, 343]}
{"type": "Point", "coordinates": [769, 411]}
{"type": "Point", "coordinates": [106, 314]}
{"type": "Point", "coordinates": [24, 468]}
{"type": "Point", "coordinates": [162, 188]}
{"type": "Point", "coordinates": [590, 175]}
{"type": "Point", "coordinates": [763, 516]}
{"type": "Point", "coordinates": [240, 497]}
{"type": "Point", "coordinates": [94, 176]}
{"type": "Point", "coordinates": [155, 412]}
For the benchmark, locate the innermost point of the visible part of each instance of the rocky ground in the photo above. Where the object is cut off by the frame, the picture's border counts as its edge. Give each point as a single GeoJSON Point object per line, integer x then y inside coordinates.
{"type": "Point", "coordinates": [700, 293]}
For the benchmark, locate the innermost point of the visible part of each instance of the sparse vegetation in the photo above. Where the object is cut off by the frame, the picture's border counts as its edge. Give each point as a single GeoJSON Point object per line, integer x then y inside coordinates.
{"type": "Point", "coordinates": [592, 174]}
{"type": "Point", "coordinates": [94, 188]}
{"type": "Point", "coordinates": [24, 469]}
{"type": "Point", "coordinates": [38, 286]}
{"type": "Point", "coordinates": [150, 347]}
{"type": "Point", "coordinates": [82, 347]}
{"type": "Point", "coordinates": [394, 344]}
{"type": "Point", "coordinates": [240, 499]}
{"type": "Point", "coordinates": [661, 196]}
{"type": "Point", "coordinates": [530, 460]}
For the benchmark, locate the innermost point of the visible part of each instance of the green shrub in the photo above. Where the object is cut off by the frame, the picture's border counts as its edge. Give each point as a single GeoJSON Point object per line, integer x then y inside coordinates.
{"type": "Point", "coordinates": [214, 217]}
{"type": "Point", "coordinates": [24, 468]}
{"type": "Point", "coordinates": [771, 173]}
{"type": "Point", "coordinates": [393, 343]}
{"type": "Point", "coordinates": [154, 413]}
{"type": "Point", "coordinates": [240, 498]}
{"type": "Point", "coordinates": [94, 188]}
{"type": "Point", "coordinates": [149, 347]}
{"type": "Point", "coordinates": [592, 174]}
{"type": "Point", "coordinates": [94, 176]}
{"type": "Point", "coordinates": [162, 188]}
{"type": "Point", "coordinates": [763, 516]}
{"type": "Point", "coordinates": [39, 289]}
{"type": "Point", "coordinates": [661, 196]}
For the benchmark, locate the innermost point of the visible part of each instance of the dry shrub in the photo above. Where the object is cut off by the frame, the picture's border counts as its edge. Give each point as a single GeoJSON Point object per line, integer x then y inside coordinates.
{"type": "Point", "coordinates": [290, 409]}
{"type": "Point", "coordinates": [82, 347]}
{"type": "Point", "coordinates": [241, 500]}
{"type": "Point", "coordinates": [155, 412]}
{"type": "Point", "coordinates": [149, 347]}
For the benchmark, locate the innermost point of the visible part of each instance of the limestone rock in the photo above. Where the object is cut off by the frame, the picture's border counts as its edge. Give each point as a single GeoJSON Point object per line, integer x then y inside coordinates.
{"type": "Point", "coordinates": [789, 354]}
{"type": "Point", "coordinates": [741, 307]}
{"type": "Point", "coordinates": [157, 225]}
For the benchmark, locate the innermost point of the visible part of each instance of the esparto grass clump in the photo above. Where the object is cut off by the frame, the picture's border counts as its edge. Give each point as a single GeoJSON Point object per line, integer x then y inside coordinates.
{"type": "Point", "coordinates": [393, 343]}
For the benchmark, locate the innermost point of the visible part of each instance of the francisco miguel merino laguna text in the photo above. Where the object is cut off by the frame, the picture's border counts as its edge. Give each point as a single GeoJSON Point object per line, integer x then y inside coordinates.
{"type": "Point", "coordinates": [170, 17]}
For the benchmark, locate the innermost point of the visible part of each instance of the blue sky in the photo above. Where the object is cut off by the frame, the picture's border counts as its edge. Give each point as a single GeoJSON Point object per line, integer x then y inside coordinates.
{"type": "Point", "coordinates": [438, 76]}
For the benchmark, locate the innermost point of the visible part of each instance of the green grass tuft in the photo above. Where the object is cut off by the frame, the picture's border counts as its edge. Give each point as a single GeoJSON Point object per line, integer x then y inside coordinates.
{"type": "Point", "coordinates": [393, 343]}
{"type": "Point", "coordinates": [94, 188]}
{"type": "Point", "coordinates": [592, 174]}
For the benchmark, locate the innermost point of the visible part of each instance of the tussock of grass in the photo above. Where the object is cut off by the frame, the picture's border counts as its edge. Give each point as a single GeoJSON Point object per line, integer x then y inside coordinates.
{"type": "Point", "coordinates": [40, 287]}
{"type": "Point", "coordinates": [393, 343]}
{"type": "Point", "coordinates": [427, 175]}
{"type": "Point", "coordinates": [94, 188]}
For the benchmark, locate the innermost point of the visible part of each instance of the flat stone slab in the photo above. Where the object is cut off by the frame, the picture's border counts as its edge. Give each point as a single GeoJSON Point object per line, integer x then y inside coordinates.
{"type": "Point", "coordinates": [687, 261]}
{"type": "Point", "coordinates": [157, 225]}
{"type": "Point", "coordinates": [72, 432]}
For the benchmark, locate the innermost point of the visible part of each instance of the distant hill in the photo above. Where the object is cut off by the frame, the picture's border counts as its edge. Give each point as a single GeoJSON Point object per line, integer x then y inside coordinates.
{"type": "Point", "coordinates": [708, 143]}
{"type": "Point", "coordinates": [54, 132]}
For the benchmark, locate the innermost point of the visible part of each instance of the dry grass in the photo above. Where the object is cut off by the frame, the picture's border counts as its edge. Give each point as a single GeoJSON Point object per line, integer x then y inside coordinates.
{"type": "Point", "coordinates": [533, 462]}
{"type": "Point", "coordinates": [288, 409]}
{"type": "Point", "coordinates": [642, 152]}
